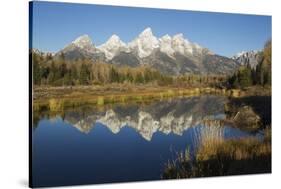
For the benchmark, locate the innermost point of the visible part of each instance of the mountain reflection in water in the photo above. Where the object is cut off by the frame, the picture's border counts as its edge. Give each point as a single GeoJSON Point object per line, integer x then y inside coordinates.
{"type": "Point", "coordinates": [118, 143]}
{"type": "Point", "coordinates": [172, 116]}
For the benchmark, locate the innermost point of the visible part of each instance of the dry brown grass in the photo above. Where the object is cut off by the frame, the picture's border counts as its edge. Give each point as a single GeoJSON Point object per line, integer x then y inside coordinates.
{"type": "Point", "coordinates": [242, 149]}
{"type": "Point", "coordinates": [218, 157]}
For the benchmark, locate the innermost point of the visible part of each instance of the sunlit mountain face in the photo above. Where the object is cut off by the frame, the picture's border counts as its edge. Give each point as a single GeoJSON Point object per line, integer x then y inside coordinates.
{"type": "Point", "coordinates": [172, 55]}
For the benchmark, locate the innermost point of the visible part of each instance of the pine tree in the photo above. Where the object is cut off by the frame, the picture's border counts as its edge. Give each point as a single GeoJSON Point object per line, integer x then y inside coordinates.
{"type": "Point", "coordinates": [84, 75]}
{"type": "Point", "coordinates": [36, 68]}
{"type": "Point", "coordinates": [114, 75]}
{"type": "Point", "coordinates": [245, 77]}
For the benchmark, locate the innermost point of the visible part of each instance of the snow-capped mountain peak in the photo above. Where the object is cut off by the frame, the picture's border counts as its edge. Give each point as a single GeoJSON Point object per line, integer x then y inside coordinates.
{"type": "Point", "coordinates": [146, 32]}
{"type": "Point", "coordinates": [83, 41]}
{"type": "Point", "coordinates": [178, 36]}
{"type": "Point", "coordinates": [112, 46]}
{"type": "Point", "coordinates": [166, 37]}
{"type": "Point", "coordinates": [114, 39]}
{"type": "Point", "coordinates": [145, 43]}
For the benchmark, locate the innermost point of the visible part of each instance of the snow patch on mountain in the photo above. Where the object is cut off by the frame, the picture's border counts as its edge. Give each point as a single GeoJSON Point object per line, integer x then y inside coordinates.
{"type": "Point", "coordinates": [181, 45]}
{"type": "Point", "coordinates": [166, 45]}
{"type": "Point", "coordinates": [83, 41]}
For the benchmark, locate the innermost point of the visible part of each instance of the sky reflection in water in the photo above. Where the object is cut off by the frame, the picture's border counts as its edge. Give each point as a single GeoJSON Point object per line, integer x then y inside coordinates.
{"type": "Point", "coordinates": [122, 143]}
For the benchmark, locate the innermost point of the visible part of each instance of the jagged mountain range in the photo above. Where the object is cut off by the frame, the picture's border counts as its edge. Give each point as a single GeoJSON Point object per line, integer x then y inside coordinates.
{"type": "Point", "coordinates": [173, 55]}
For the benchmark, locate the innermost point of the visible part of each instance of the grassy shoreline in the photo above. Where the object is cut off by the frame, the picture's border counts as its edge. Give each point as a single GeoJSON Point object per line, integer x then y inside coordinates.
{"type": "Point", "coordinates": [55, 98]}
{"type": "Point", "coordinates": [216, 157]}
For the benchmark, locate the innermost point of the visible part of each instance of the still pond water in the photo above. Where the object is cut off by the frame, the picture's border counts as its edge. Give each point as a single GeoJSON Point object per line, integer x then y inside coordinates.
{"type": "Point", "coordinates": [119, 143]}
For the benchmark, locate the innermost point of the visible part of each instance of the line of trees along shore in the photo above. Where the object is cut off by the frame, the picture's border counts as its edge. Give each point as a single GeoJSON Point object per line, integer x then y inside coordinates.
{"type": "Point", "coordinates": [51, 71]}
{"type": "Point", "coordinates": [246, 76]}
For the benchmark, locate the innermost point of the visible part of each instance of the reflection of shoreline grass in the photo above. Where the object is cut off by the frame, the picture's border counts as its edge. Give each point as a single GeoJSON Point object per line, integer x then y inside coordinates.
{"type": "Point", "coordinates": [216, 157]}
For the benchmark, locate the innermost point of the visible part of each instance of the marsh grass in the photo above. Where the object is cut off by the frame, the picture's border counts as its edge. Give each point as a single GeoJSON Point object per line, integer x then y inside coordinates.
{"type": "Point", "coordinates": [100, 101]}
{"type": "Point", "coordinates": [207, 138]}
{"type": "Point", "coordinates": [58, 98]}
{"type": "Point", "coordinates": [55, 104]}
{"type": "Point", "coordinates": [217, 157]}
{"type": "Point", "coordinates": [55, 98]}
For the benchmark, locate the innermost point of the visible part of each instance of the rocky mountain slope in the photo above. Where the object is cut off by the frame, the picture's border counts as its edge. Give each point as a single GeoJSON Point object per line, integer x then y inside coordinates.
{"type": "Point", "coordinates": [251, 58]}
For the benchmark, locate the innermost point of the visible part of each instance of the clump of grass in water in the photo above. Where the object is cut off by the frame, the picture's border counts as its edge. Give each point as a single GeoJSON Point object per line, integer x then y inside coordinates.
{"type": "Point", "coordinates": [170, 93]}
{"type": "Point", "coordinates": [100, 101]}
{"type": "Point", "coordinates": [235, 92]}
{"type": "Point", "coordinates": [207, 139]}
{"type": "Point", "coordinates": [124, 98]}
{"type": "Point", "coordinates": [36, 107]}
{"type": "Point", "coordinates": [181, 93]}
{"type": "Point", "coordinates": [161, 95]}
{"type": "Point", "coordinates": [55, 105]}
{"type": "Point", "coordinates": [208, 134]}
{"type": "Point", "coordinates": [111, 99]}
{"type": "Point", "coordinates": [197, 90]}
{"type": "Point", "coordinates": [139, 98]}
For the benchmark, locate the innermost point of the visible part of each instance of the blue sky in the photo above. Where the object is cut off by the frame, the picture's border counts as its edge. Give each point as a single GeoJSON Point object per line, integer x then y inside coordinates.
{"type": "Point", "coordinates": [57, 24]}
